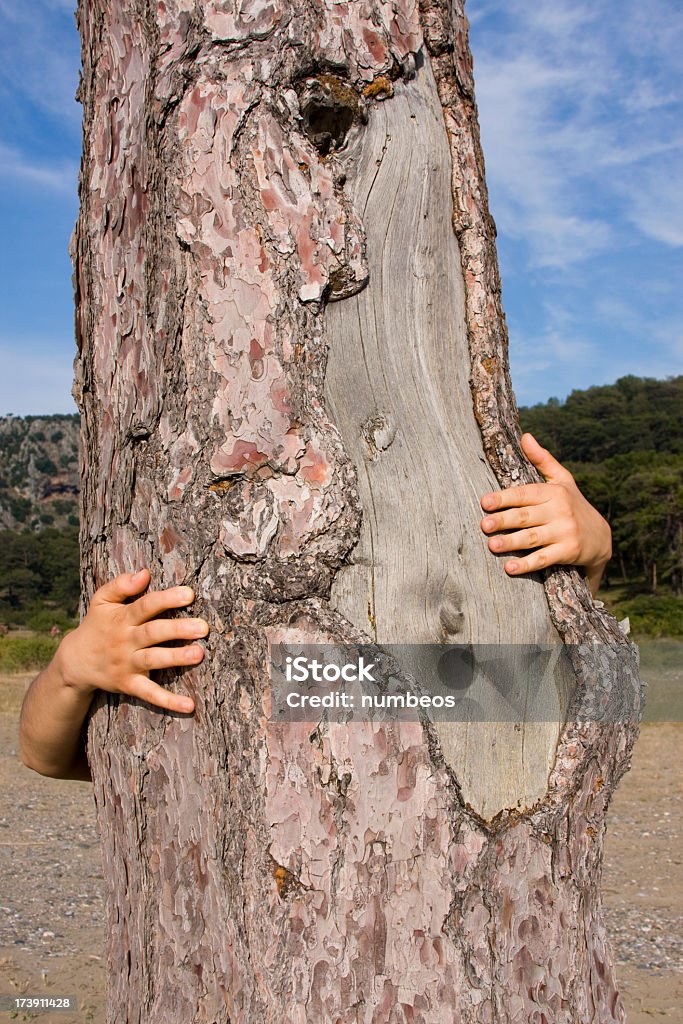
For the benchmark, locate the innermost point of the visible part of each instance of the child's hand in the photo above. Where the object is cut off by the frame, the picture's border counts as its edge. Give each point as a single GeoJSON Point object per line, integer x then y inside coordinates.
{"type": "Point", "coordinates": [116, 644]}
{"type": "Point", "coordinates": [554, 518]}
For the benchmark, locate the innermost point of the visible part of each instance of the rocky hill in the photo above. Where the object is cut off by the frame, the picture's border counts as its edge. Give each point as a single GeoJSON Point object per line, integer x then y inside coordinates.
{"type": "Point", "coordinates": [39, 473]}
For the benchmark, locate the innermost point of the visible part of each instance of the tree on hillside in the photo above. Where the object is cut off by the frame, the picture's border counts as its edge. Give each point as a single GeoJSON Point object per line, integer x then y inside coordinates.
{"type": "Point", "coordinates": [641, 496]}
{"type": "Point", "coordinates": [649, 528]}
{"type": "Point", "coordinates": [293, 386]}
{"type": "Point", "coordinates": [635, 414]}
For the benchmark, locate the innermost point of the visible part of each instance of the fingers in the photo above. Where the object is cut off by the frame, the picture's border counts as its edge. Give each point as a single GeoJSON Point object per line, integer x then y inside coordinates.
{"type": "Point", "coordinates": [151, 605]}
{"type": "Point", "coordinates": [144, 689]}
{"type": "Point", "coordinates": [544, 517]}
{"type": "Point", "coordinates": [529, 494]}
{"type": "Point", "coordinates": [514, 497]}
{"type": "Point", "coordinates": [545, 463]}
{"type": "Point", "coordinates": [122, 587]}
{"type": "Point", "coordinates": [128, 585]}
{"type": "Point", "coordinates": [541, 559]}
{"type": "Point", "coordinates": [159, 631]}
{"type": "Point", "coordinates": [512, 519]}
{"type": "Point", "coordinates": [520, 540]}
{"type": "Point", "coordinates": [151, 659]}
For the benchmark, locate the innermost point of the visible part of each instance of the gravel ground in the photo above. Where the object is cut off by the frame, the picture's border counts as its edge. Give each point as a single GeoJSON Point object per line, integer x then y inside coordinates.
{"type": "Point", "coordinates": [51, 887]}
{"type": "Point", "coordinates": [51, 902]}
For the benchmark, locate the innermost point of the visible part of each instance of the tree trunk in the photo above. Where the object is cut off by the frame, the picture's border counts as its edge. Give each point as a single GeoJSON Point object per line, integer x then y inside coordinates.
{"type": "Point", "coordinates": [677, 557]}
{"type": "Point", "coordinates": [293, 383]}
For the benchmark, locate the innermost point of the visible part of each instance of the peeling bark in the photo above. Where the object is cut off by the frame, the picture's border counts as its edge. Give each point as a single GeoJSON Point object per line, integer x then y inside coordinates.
{"type": "Point", "coordinates": [262, 872]}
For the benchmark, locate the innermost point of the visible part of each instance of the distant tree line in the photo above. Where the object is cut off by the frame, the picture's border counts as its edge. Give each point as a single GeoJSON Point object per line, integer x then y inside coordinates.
{"type": "Point", "coordinates": [39, 577]}
{"type": "Point", "coordinates": [624, 444]}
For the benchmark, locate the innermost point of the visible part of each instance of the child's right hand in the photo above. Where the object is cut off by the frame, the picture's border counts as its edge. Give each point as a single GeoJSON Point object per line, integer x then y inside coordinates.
{"type": "Point", "coordinates": [116, 644]}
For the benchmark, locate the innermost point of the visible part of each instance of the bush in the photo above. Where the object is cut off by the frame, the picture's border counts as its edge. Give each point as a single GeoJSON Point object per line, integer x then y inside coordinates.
{"type": "Point", "coordinates": [45, 465]}
{"type": "Point", "coordinates": [43, 619]}
{"type": "Point", "coordinates": [26, 653]}
{"type": "Point", "coordinates": [62, 507]}
{"type": "Point", "coordinates": [652, 616]}
{"type": "Point", "coordinates": [20, 508]}
{"type": "Point", "coordinates": [18, 474]}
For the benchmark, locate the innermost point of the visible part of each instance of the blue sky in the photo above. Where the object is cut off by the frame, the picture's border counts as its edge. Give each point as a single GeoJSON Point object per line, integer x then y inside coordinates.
{"type": "Point", "coordinates": [582, 128]}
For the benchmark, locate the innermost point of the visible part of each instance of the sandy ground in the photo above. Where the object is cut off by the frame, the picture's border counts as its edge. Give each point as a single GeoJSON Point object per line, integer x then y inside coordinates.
{"type": "Point", "coordinates": [51, 903]}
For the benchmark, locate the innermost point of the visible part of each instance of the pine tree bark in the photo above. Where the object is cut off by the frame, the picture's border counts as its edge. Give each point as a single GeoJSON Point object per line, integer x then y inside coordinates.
{"type": "Point", "coordinates": [293, 382]}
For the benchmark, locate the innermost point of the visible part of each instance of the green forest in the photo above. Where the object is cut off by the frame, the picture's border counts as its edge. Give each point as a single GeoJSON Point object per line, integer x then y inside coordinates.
{"type": "Point", "coordinates": [39, 578]}
{"type": "Point", "coordinates": [623, 442]}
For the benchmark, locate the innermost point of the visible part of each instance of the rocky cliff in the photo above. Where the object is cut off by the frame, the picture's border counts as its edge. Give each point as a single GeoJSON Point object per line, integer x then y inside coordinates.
{"type": "Point", "coordinates": [39, 472]}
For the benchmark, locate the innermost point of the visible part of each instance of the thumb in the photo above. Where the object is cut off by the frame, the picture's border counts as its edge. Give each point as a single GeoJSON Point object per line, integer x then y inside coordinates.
{"type": "Point", "coordinates": [126, 585]}
{"type": "Point", "coordinates": [547, 465]}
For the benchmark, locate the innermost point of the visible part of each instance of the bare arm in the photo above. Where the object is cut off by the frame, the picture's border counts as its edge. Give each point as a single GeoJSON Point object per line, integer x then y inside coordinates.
{"type": "Point", "coordinates": [51, 724]}
{"type": "Point", "coordinates": [113, 649]}
{"type": "Point", "coordinates": [553, 519]}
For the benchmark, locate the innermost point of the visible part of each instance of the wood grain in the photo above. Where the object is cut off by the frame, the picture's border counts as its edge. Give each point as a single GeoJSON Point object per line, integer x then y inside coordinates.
{"type": "Point", "coordinates": [401, 352]}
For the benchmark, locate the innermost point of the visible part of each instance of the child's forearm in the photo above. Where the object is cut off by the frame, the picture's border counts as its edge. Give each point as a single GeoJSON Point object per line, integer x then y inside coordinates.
{"type": "Point", "coordinates": [51, 724]}
{"type": "Point", "coordinates": [114, 648]}
{"type": "Point", "coordinates": [594, 576]}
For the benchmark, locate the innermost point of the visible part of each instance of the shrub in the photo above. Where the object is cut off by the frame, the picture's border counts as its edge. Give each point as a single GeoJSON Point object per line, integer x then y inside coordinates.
{"type": "Point", "coordinates": [653, 616]}
{"type": "Point", "coordinates": [26, 653]}
{"type": "Point", "coordinates": [43, 619]}
{"type": "Point", "coordinates": [20, 508]}
{"type": "Point", "coordinates": [45, 465]}
{"type": "Point", "coordinates": [62, 507]}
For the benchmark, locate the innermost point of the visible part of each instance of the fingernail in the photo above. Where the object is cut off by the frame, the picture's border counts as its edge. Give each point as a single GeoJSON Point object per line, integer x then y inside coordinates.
{"type": "Point", "coordinates": [185, 593]}
{"type": "Point", "coordinates": [512, 566]}
{"type": "Point", "coordinates": [200, 628]}
{"type": "Point", "coordinates": [187, 704]}
{"type": "Point", "coordinates": [487, 501]}
{"type": "Point", "coordinates": [488, 522]}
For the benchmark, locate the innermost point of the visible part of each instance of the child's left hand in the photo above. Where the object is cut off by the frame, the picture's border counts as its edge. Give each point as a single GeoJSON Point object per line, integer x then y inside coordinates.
{"type": "Point", "coordinates": [553, 518]}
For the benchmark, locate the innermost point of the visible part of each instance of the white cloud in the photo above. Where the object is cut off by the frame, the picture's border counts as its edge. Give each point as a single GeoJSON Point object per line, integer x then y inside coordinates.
{"type": "Point", "coordinates": [655, 204]}
{"type": "Point", "coordinates": [561, 357]}
{"type": "Point", "coordinates": [557, 344]}
{"type": "Point", "coordinates": [646, 96]}
{"type": "Point", "coordinates": [531, 160]}
{"type": "Point", "coordinates": [566, 95]}
{"type": "Point", "coordinates": [22, 170]}
{"type": "Point", "coordinates": [39, 57]}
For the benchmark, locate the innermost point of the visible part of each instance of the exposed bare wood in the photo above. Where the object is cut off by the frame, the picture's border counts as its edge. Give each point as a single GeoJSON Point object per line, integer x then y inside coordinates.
{"type": "Point", "coordinates": [397, 384]}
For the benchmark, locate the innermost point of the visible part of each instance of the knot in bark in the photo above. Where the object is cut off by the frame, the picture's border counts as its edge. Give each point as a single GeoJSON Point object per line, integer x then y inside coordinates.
{"type": "Point", "coordinates": [329, 108]}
